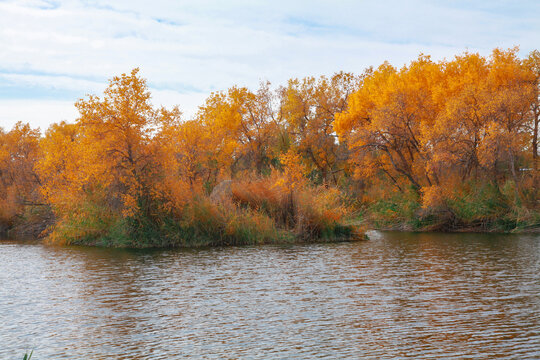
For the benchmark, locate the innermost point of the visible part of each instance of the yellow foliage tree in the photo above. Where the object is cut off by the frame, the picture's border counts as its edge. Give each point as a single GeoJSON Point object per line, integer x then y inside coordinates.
{"type": "Point", "coordinates": [309, 106]}
{"type": "Point", "coordinates": [19, 183]}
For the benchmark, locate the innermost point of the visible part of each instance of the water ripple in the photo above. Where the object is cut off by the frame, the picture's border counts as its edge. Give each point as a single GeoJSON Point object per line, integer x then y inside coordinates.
{"type": "Point", "coordinates": [396, 296]}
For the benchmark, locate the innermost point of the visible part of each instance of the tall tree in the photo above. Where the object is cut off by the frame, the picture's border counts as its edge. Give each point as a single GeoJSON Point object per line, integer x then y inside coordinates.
{"type": "Point", "coordinates": [532, 62]}
{"type": "Point", "coordinates": [19, 183]}
{"type": "Point", "coordinates": [246, 122]}
{"type": "Point", "coordinates": [309, 107]}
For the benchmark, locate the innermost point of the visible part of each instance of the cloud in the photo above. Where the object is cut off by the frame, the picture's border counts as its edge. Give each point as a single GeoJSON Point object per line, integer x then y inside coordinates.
{"type": "Point", "coordinates": [39, 113]}
{"type": "Point", "coordinates": [57, 51]}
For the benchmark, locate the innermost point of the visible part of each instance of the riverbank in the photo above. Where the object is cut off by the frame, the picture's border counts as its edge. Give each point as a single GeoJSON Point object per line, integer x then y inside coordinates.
{"type": "Point", "coordinates": [479, 229]}
{"type": "Point", "coordinates": [453, 225]}
{"type": "Point", "coordinates": [205, 224]}
{"type": "Point", "coordinates": [190, 237]}
{"type": "Point", "coordinates": [448, 222]}
{"type": "Point", "coordinates": [251, 212]}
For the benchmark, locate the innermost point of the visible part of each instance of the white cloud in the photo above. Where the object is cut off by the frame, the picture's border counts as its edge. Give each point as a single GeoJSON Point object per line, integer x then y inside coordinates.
{"type": "Point", "coordinates": [42, 113]}
{"type": "Point", "coordinates": [64, 82]}
{"type": "Point", "coordinates": [187, 49]}
{"type": "Point", "coordinates": [39, 113]}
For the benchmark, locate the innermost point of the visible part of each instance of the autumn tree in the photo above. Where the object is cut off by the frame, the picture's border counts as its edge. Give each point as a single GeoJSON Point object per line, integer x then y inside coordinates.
{"type": "Point", "coordinates": [459, 126]}
{"type": "Point", "coordinates": [59, 166]}
{"type": "Point", "coordinates": [19, 183]}
{"type": "Point", "coordinates": [309, 106]}
{"type": "Point", "coordinates": [483, 114]}
{"type": "Point", "coordinates": [532, 62]}
{"type": "Point", "coordinates": [385, 121]}
{"type": "Point", "coordinates": [191, 153]}
{"type": "Point", "coordinates": [109, 157]}
{"type": "Point", "coordinates": [246, 124]}
{"type": "Point", "coordinates": [433, 125]}
{"type": "Point", "coordinates": [507, 132]}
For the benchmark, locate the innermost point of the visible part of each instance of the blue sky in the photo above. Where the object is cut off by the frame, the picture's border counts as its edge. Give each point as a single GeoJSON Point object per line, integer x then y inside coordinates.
{"type": "Point", "coordinates": [54, 52]}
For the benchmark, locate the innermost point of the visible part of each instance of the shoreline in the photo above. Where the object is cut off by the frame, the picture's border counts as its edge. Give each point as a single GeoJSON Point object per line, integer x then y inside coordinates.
{"type": "Point", "coordinates": [464, 229]}
{"type": "Point", "coordinates": [363, 236]}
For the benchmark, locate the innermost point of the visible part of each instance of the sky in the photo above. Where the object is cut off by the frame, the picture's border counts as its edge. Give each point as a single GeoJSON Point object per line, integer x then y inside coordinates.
{"type": "Point", "coordinates": [54, 52]}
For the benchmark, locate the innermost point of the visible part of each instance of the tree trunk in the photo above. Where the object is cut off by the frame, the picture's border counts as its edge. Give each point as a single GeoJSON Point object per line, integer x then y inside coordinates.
{"type": "Point", "coordinates": [535, 138]}
{"type": "Point", "coordinates": [514, 175]}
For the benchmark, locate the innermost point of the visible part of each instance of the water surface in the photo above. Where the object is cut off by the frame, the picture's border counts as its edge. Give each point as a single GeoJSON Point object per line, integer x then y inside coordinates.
{"type": "Point", "coordinates": [398, 295]}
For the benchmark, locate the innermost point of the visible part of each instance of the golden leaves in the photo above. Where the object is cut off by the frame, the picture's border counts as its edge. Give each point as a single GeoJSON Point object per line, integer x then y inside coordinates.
{"type": "Point", "coordinates": [429, 120]}
{"type": "Point", "coordinates": [427, 125]}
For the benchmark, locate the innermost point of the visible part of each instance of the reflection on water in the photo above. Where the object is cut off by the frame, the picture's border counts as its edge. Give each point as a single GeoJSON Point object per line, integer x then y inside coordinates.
{"type": "Point", "coordinates": [398, 295]}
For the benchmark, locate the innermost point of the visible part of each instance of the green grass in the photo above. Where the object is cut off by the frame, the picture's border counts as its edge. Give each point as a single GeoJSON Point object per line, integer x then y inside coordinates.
{"type": "Point", "coordinates": [202, 223]}
{"type": "Point", "coordinates": [398, 209]}
{"type": "Point", "coordinates": [477, 207]}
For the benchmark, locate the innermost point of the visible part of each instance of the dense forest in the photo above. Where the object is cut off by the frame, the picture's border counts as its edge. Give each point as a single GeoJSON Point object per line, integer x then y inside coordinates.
{"type": "Point", "coordinates": [435, 145]}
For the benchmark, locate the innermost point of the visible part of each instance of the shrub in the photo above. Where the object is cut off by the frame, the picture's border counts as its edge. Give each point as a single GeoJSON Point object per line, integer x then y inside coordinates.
{"type": "Point", "coordinates": [396, 208]}
{"type": "Point", "coordinates": [257, 213]}
{"type": "Point", "coordinates": [86, 224]}
{"type": "Point", "coordinates": [205, 223]}
{"type": "Point", "coordinates": [309, 212]}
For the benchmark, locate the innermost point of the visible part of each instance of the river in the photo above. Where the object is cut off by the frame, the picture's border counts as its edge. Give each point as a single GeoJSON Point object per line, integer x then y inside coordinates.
{"type": "Point", "coordinates": [399, 295]}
